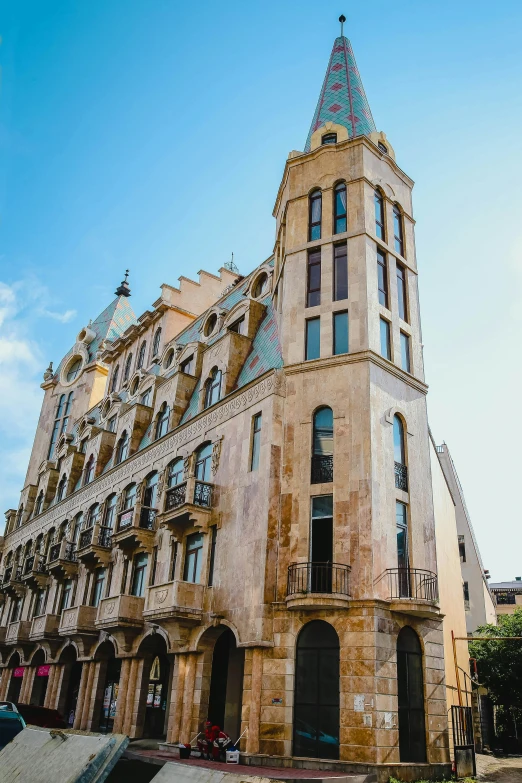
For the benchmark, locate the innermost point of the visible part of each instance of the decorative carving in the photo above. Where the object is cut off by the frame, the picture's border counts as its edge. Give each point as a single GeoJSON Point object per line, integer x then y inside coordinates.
{"type": "Point", "coordinates": [48, 374]}
{"type": "Point", "coordinates": [161, 596]}
{"type": "Point", "coordinates": [109, 607]}
{"type": "Point", "coordinates": [216, 453]}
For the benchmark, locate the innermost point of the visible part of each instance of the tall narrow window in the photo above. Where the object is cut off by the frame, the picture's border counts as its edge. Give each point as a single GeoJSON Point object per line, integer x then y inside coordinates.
{"type": "Point", "coordinates": [38, 508]}
{"type": "Point", "coordinates": [401, 519]}
{"type": "Point", "coordinates": [66, 597]}
{"type": "Point", "coordinates": [340, 208]}
{"type": "Point", "coordinates": [173, 560]}
{"type": "Point", "coordinates": [256, 441]}
{"type": "Point", "coordinates": [145, 397]}
{"type": "Point", "coordinates": [313, 338]}
{"type": "Point", "coordinates": [213, 539]}
{"type": "Point", "coordinates": [122, 449]}
{"type": "Point", "coordinates": [213, 387]}
{"type": "Point", "coordinates": [313, 294]}
{"type": "Point", "coordinates": [204, 462]}
{"type": "Point", "coordinates": [399, 454]}
{"type": "Point", "coordinates": [111, 424]}
{"type": "Point", "coordinates": [382, 278]}
{"type": "Point", "coordinates": [322, 445]}
{"type": "Point", "coordinates": [314, 230]}
{"type": "Point", "coordinates": [20, 516]}
{"type": "Point", "coordinates": [465, 588]}
{"type": "Point", "coordinates": [340, 272]}
{"type": "Point", "coordinates": [61, 419]}
{"type": "Point", "coordinates": [156, 342]}
{"type": "Point", "coordinates": [398, 235]}
{"type": "Point", "coordinates": [128, 367]}
{"type": "Point", "coordinates": [385, 338]}
{"type": "Point", "coordinates": [175, 473]}
{"type": "Point", "coordinates": [188, 365]}
{"type": "Point", "coordinates": [110, 511]}
{"type": "Point", "coordinates": [379, 215]}
{"type": "Point", "coordinates": [88, 473]}
{"type": "Point", "coordinates": [141, 355]}
{"type": "Point", "coordinates": [150, 496]}
{"type": "Point", "coordinates": [340, 332]}
{"type": "Point", "coordinates": [99, 583]}
{"type": "Point", "coordinates": [138, 576]}
{"type": "Point", "coordinates": [401, 292]}
{"type": "Point", "coordinates": [194, 551]}
{"type": "Point", "coordinates": [405, 352]}
{"type": "Point", "coordinates": [162, 424]}
{"type": "Point", "coordinates": [114, 382]}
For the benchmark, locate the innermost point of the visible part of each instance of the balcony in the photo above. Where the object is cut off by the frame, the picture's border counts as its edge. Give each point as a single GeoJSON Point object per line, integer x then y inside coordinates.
{"type": "Point", "coordinates": [401, 477]}
{"type": "Point", "coordinates": [12, 582]}
{"type": "Point", "coordinates": [322, 468]}
{"type": "Point", "coordinates": [18, 632]}
{"type": "Point", "coordinates": [62, 562]}
{"type": "Point", "coordinates": [35, 571]}
{"type": "Point", "coordinates": [135, 529]}
{"type": "Point", "coordinates": [189, 504]}
{"type": "Point", "coordinates": [78, 620]}
{"type": "Point", "coordinates": [120, 611]}
{"type": "Point", "coordinates": [412, 591]}
{"type": "Point", "coordinates": [45, 626]}
{"type": "Point", "coordinates": [174, 601]}
{"type": "Point", "coordinates": [318, 585]}
{"type": "Point", "coordinates": [94, 545]}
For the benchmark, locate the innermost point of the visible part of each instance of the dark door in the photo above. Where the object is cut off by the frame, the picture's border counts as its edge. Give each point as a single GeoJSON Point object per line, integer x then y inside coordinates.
{"type": "Point", "coordinates": [110, 696]}
{"type": "Point", "coordinates": [156, 698]}
{"type": "Point", "coordinates": [412, 734]}
{"type": "Point", "coordinates": [72, 692]}
{"type": "Point", "coordinates": [316, 698]}
{"type": "Point", "coordinates": [321, 549]}
{"type": "Point", "coordinates": [226, 685]}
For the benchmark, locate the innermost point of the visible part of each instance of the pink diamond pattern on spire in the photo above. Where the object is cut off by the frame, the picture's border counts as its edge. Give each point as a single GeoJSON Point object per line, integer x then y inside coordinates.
{"type": "Point", "coordinates": [335, 108]}
{"type": "Point", "coordinates": [337, 86]}
{"type": "Point", "coordinates": [337, 67]}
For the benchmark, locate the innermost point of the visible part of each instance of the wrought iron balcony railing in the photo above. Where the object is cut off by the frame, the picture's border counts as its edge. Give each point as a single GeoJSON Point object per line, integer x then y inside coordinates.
{"type": "Point", "coordinates": [85, 538]}
{"type": "Point", "coordinates": [318, 578]}
{"type": "Point", "coordinates": [203, 494]}
{"type": "Point", "coordinates": [70, 552]}
{"type": "Point", "coordinates": [29, 564]}
{"type": "Point", "coordinates": [401, 476]}
{"type": "Point", "coordinates": [105, 537]}
{"type": "Point", "coordinates": [54, 552]}
{"type": "Point", "coordinates": [322, 468]}
{"type": "Point", "coordinates": [148, 518]}
{"type": "Point", "coordinates": [413, 583]}
{"type": "Point", "coordinates": [176, 496]}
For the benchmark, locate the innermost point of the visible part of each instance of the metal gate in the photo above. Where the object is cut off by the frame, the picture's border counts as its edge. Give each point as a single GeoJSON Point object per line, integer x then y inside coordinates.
{"type": "Point", "coordinates": [463, 741]}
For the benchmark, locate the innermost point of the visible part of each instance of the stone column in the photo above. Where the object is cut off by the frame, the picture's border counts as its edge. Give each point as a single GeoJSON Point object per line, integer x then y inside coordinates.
{"type": "Point", "coordinates": [188, 698]}
{"type": "Point", "coordinates": [56, 685]}
{"type": "Point", "coordinates": [99, 669]}
{"type": "Point", "coordinates": [27, 684]}
{"type": "Point", "coordinates": [4, 683]}
{"type": "Point", "coordinates": [176, 699]}
{"type": "Point", "coordinates": [252, 744]}
{"type": "Point", "coordinates": [138, 702]}
{"type": "Point", "coordinates": [50, 683]}
{"type": "Point", "coordinates": [81, 695]}
{"type": "Point", "coordinates": [129, 697]}
{"type": "Point", "coordinates": [122, 696]}
{"type": "Point", "coordinates": [87, 696]}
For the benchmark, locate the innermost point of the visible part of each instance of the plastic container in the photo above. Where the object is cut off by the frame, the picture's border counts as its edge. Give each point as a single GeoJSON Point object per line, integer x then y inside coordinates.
{"type": "Point", "coordinates": [184, 751]}
{"type": "Point", "coordinates": [232, 757]}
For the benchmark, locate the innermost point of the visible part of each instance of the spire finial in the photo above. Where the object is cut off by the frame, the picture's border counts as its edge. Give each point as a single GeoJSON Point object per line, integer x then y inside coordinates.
{"type": "Point", "coordinates": [124, 288]}
{"type": "Point", "coordinates": [231, 266]}
{"type": "Point", "coordinates": [342, 20]}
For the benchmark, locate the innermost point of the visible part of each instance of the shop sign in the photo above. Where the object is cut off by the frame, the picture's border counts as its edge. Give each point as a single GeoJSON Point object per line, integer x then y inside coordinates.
{"type": "Point", "coordinates": [43, 671]}
{"type": "Point", "coordinates": [19, 671]}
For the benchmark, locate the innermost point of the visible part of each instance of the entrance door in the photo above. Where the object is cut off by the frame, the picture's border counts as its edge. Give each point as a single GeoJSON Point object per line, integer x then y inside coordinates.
{"type": "Point", "coordinates": [316, 698]}
{"type": "Point", "coordinates": [15, 684]}
{"type": "Point", "coordinates": [226, 685]}
{"type": "Point", "coordinates": [72, 693]}
{"type": "Point", "coordinates": [156, 704]}
{"type": "Point", "coordinates": [321, 546]}
{"type": "Point", "coordinates": [110, 696]}
{"type": "Point", "coordinates": [412, 733]}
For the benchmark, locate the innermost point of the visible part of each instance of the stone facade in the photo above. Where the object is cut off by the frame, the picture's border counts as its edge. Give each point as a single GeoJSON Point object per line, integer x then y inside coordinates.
{"type": "Point", "coordinates": [178, 556]}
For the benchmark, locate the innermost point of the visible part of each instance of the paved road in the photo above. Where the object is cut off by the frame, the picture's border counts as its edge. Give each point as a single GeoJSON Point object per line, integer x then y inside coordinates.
{"type": "Point", "coordinates": [499, 770]}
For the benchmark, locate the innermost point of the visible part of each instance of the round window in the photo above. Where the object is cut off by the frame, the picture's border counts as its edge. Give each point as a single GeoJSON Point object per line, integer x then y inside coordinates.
{"type": "Point", "coordinates": [261, 286]}
{"type": "Point", "coordinates": [73, 369]}
{"type": "Point", "coordinates": [210, 324]}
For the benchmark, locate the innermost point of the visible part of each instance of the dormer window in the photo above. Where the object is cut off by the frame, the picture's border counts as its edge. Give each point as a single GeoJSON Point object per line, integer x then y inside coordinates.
{"type": "Point", "coordinates": [382, 147]}
{"type": "Point", "coordinates": [88, 474]}
{"type": "Point", "coordinates": [329, 138]}
{"type": "Point", "coordinates": [156, 343]}
{"type": "Point", "coordinates": [188, 365]}
{"type": "Point", "coordinates": [39, 504]}
{"type": "Point", "coordinates": [162, 424]}
{"type": "Point", "coordinates": [238, 326]}
{"type": "Point", "coordinates": [145, 397]}
{"type": "Point", "coordinates": [60, 492]}
{"type": "Point", "coordinates": [111, 424]}
{"type": "Point", "coordinates": [122, 450]}
{"type": "Point", "coordinates": [213, 387]}
{"type": "Point", "coordinates": [210, 324]}
{"type": "Point", "coordinates": [169, 358]}
{"type": "Point", "coordinates": [73, 370]}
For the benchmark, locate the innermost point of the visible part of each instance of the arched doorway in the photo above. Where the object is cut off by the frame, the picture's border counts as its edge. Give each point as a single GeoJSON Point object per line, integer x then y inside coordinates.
{"type": "Point", "coordinates": [412, 732]}
{"type": "Point", "coordinates": [72, 674]}
{"type": "Point", "coordinates": [226, 684]}
{"type": "Point", "coordinates": [41, 679]}
{"type": "Point", "coordinates": [155, 693]}
{"type": "Point", "coordinates": [316, 696]}
{"type": "Point", "coordinates": [16, 674]}
{"type": "Point", "coordinates": [110, 668]}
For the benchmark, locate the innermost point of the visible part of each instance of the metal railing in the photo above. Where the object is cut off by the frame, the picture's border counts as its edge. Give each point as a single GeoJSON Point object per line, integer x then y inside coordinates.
{"type": "Point", "coordinates": [322, 468]}
{"type": "Point", "coordinates": [413, 583]}
{"type": "Point", "coordinates": [148, 518]}
{"type": "Point", "coordinates": [105, 537]}
{"type": "Point", "coordinates": [176, 496]}
{"type": "Point", "coordinates": [401, 476]}
{"type": "Point", "coordinates": [203, 494]}
{"type": "Point", "coordinates": [85, 538]}
{"type": "Point", "coordinates": [29, 564]}
{"type": "Point", "coordinates": [8, 574]}
{"type": "Point", "coordinates": [318, 578]}
{"type": "Point", "coordinates": [70, 552]}
{"type": "Point", "coordinates": [54, 552]}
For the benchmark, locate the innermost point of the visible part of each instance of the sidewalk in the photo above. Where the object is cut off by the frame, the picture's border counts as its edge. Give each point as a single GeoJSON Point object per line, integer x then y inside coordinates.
{"type": "Point", "coordinates": [491, 769]}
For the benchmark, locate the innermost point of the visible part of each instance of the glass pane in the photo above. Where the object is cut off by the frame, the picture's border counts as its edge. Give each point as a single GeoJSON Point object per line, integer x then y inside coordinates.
{"type": "Point", "coordinates": [315, 214]}
{"type": "Point", "coordinates": [323, 431]}
{"type": "Point", "coordinates": [340, 225]}
{"type": "Point", "coordinates": [313, 343]}
{"type": "Point", "coordinates": [315, 232]}
{"type": "Point", "coordinates": [340, 272]}
{"type": "Point", "coordinates": [340, 333]}
{"type": "Point", "coordinates": [385, 339]}
{"type": "Point", "coordinates": [398, 441]}
{"type": "Point", "coordinates": [314, 277]}
{"type": "Point", "coordinates": [402, 548]}
{"type": "Point", "coordinates": [405, 352]}
{"type": "Point", "coordinates": [340, 203]}
{"type": "Point", "coordinates": [322, 506]}
{"type": "Point", "coordinates": [401, 514]}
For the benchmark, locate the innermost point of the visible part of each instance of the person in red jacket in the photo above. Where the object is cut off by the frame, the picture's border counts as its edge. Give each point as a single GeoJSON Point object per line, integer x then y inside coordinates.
{"type": "Point", "coordinates": [220, 743]}
{"type": "Point", "coordinates": [205, 745]}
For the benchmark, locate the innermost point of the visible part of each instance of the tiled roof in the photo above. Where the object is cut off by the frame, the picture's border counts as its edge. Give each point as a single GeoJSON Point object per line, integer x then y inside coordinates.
{"type": "Point", "coordinates": [342, 99]}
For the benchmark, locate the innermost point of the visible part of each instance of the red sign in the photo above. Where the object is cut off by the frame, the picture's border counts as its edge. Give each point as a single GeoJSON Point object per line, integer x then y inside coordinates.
{"type": "Point", "coordinates": [43, 671]}
{"type": "Point", "coordinates": [19, 671]}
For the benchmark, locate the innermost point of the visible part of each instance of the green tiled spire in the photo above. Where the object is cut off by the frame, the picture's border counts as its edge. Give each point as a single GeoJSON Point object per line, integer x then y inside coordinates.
{"type": "Point", "coordinates": [342, 99]}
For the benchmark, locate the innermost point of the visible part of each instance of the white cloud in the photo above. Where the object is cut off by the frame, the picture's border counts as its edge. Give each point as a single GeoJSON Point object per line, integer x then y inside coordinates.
{"type": "Point", "coordinates": [64, 318]}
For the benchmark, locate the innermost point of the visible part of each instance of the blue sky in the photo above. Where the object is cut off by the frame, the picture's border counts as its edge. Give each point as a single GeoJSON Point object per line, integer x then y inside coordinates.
{"type": "Point", "coordinates": [152, 135]}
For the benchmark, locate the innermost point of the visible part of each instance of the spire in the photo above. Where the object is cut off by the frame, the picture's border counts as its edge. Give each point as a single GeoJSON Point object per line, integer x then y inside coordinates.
{"type": "Point", "coordinates": [123, 288]}
{"type": "Point", "coordinates": [342, 99]}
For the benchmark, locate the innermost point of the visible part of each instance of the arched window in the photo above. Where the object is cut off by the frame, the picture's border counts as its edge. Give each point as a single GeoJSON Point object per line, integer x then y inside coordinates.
{"type": "Point", "coordinates": [62, 485]}
{"type": "Point", "coordinates": [114, 382]}
{"type": "Point", "coordinates": [19, 516]}
{"type": "Point", "coordinates": [316, 696]}
{"type": "Point", "coordinates": [213, 387]}
{"type": "Point", "coordinates": [61, 418]}
{"type": "Point", "coordinates": [76, 527]}
{"type": "Point", "coordinates": [162, 423]}
{"type": "Point", "coordinates": [322, 455]}
{"type": "Point", "coordinates": [129, 498]}
{"type": "Point", "coordinates": [204, 462]}
{"type": "Point", "coordinates": [340, 208]}
{"type": "Point", "coordinates": [410, 681]}
{"type": "Point", "coordinates": [261, 286]}
{"type": "Point", "coordinates": [169, 359]}
{"type": "Point", "coordinates": [128, 366]}
{"type": "Point", "coordinates": [398, 230]}
{"type": "Point", "coordinates": [329, 138]}
{"type": "Point", "coordinates": [38, 506]}
{"type": "Point", "coordinates": [122, 449]}
{"type": "Point", "coordinates": [314, 215]}
{"type": "Point", "coordinates": [141, 355]}
{"type": "Point", "coordinates": [94, 513]}
{"type": "Point", "coordinates": [88, 471]}
{"type": "Point", "coordinates": [380, 227]}
{"type": "Point", "coordinates": [156, 343]}
{"type": "Point", "coordinates": [150, 496]}
{"type": "Point", "coordinates": [73, 370]}
{"type": "Point", "coordinates": [110, 511]}
{"type": "Point", "coordinates": [175, 472]}
{"type": "Point", "coordinates": [399, 454]}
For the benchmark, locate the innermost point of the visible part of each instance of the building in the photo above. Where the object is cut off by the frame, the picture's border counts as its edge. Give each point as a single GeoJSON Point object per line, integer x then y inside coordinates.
{"type": "Point", "coordinates": [229, 507]}
{"type": "Point", "coordinates": [508, 596]}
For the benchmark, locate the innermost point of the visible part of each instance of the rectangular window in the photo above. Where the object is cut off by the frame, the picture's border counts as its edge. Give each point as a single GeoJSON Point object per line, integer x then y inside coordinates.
{"type": "Point", "coordinates": [16, 610]}
{"type": "Point", "coordinates": [385, 338]}
{"type": "Point", "coordinates": [256, 441]}
{"type": "Point", "coordinates": [321, 544]}
{"type": "Point", "coordinates": [340, 272]}
{"type": "Point", "coordinates": [379, 215]}
{"type": "Point", "coordinates": [405, 352]}
{"type": "Point", "coordinates": [124, 576]}
{"type": "Point", "coordinates": [462, 549]}
{"type": "Point", "coordinates": [152, 578]}
{"type": "Point", "coordinates": [403, 574]}
{"type": "Point", "coordinates": [401, 292]}
{"type": "Point", "coordinates": [340, 332]}
{"type": "Point", "coordinates": [66, 595]}
{"type": "Point", "coordinates": [465, 587]}
{"type": "Point", "coordinates": [313, 339]}
{"type": "Point", "coordinates": [99, 584]}
{"type": "Point", "coordinates": [194, 551]}
{"type": "Point", "coordinates": [398, 231]}
{"type": "Point", "coordinates": [382, 277]}
{"type": "Point", "coordinates": [238, 326]}
{"type": "Point", "coordinates": [138, 577]}
{"type": "Point", "coordinates": [313, 293]}
{"type": "Point", "coordinates": [39, 604]}
{"type": "Point", "coordinates": [213, 539]}
{"type": "Point", "coordinates": [188, 365]}
{"type": "Point", "coordinates": [173, 560]}
{"type": "Point", "coordinates": [111, 424]}
{"type": "Point", "coordinates": [145, 397]}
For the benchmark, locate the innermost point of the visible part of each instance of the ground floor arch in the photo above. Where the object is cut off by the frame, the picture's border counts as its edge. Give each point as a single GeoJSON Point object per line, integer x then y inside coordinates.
{"type": "Point", "coordinates": [410, 683]}
{"type": "Point", "coordinates": [40, 672]}
{"type": "Point", "coordinates": [70, 684]}
{"type": "Point", "coordinates": [107, 687]}
{"type": "Point", "coordinates": [15, 672]}
{"type": "Point", "coordinates": [155, 688]}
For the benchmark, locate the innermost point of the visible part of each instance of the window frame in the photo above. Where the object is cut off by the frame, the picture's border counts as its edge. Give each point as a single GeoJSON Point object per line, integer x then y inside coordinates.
{"type": "Point", "coordinates": [313, 261]}
{"type": "Point", "coordinates": [335, 319]}
{"type": "Point", "coordinates": [212, 384]}
{"type": "Point", "coordinates": [382, 269]}
{"type": "Point", "coordinates": [315, 227]}
{"type": "Point", "coordinates": [402, 292]}
{"type": "Point", "coordinates": [388, 355]}
{"type": "Point", "coordinates": [380, 219]}
{"type": "Point", "coordinates": [405, 351]}
{"type": "Point", "coordinates": [398, 222]}
{"type": "Point", "coordinates": [196, 565]}
{"type": "Point", "coordinates": [340, 261]}
{"type": "Point", "coordinates": [255, 448]}
{"type": "Point", "coordinates": [308, 322]}
{"type": "Point", "coordinates": [338, 189]}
